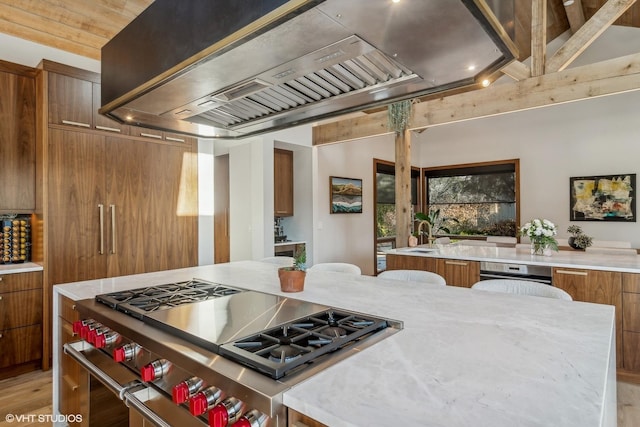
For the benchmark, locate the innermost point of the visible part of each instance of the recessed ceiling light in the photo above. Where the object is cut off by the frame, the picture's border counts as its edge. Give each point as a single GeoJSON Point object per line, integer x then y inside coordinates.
{"type": "Point", "coordinates": [486, 82]}
{"type": "Point", "coordinates": [396, 1]}
{"type": "Point", "coordinates": [567, 2]}
{"type": "Point", "coordinates": [471, 67]}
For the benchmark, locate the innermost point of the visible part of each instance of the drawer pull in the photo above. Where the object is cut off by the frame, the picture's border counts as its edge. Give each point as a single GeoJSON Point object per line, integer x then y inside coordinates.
{"type": "Point", "coordinates": [574, 273]}
{"type": "Point", "coordinates": [0, 278]}
{"type": "Point", "coordinates": [0, 334]}
{"type": "Point", "coordinates": [170, 138]}
{"type": "Point", "coordinates": [0, 298]}
{"type": "Point", "coordinates": [69, 122]}
{"type": "Point", "coordinates": [72, 384]}
{"type": "Point", "coordinates": [151, 135]}
{"type": "Point", "coordinates": [456, 263]}
{"type": "Point", "coordinates": [108, 129]}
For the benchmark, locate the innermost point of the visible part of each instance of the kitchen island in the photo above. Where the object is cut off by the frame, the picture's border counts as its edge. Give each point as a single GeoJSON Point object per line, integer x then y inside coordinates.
{"type": "Point", "coordinates": [464, 357]}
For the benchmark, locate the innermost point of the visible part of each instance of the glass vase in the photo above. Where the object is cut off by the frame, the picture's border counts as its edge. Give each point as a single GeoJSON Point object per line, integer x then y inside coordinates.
{"type": "Point", "coordinates": [540, 248]}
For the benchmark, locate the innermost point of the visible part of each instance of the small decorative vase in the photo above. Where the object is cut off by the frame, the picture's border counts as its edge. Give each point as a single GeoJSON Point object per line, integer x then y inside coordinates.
{"type": "Point", "coordinates": [413, 241]}
{"type": "Point", "coordinates": [291, 280]}
{"type": "Point", "coordinates": [538, 248]}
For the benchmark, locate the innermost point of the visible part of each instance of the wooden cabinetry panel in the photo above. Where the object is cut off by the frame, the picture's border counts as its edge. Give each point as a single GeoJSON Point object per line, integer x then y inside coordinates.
{"type": "Point", "coordinates": [21, 308]}
{"type": "Point", "coordinates": [70, 101]}
{"type": "Point", "coordinates": [20, 281]}
{"type": "Point", "coordinates": [76, 192]}
{"type": "Point", "coordinates": [101, 122]}
{"type": "Point", "coordinates": [600, 287]}
{"type": "Point", "coordinates": [17, 142]}
{"type": "Point", "coordinates": [631, 351]}
{"type": "Point", "coordinates": [459, 272]}
{"type": "Point", "coordinates": [296, 419]}
{"type": "Point", "coordinates": [20, 345]}
{"type": "Point", "coordinates": [283, 182]}
{"type": "Point", "coordinates": [631, 282]}
{"type": "Point", "coordinates": [631, 312]}
{"type": "Point", "coordinates": [401, 262]}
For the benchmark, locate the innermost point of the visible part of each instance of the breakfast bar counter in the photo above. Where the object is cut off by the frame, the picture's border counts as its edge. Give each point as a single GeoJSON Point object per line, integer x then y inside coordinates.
{"type": "Point", "coordinates": [463, 357]}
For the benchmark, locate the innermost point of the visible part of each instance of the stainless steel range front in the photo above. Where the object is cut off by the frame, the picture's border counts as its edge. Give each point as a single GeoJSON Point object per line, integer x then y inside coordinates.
{"type": "Point", "coordinates": [208, 353]}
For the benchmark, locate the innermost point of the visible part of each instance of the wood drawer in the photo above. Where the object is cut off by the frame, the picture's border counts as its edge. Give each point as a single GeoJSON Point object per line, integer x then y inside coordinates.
{"type": "Point", "coordinates": [631, 283]}
{"type": "Point", "coordinates": [20, 281]}
{"type": "Point", "coordinates": [631, 312]}
{"type": "Point", "coordinates": [19, 309]}
{"type": "Point", "coordinates": [631, 351]}
{"type": "Point", "coordinates": [20, 345]}
{"type": "Point", "coordinates": [67, 309]}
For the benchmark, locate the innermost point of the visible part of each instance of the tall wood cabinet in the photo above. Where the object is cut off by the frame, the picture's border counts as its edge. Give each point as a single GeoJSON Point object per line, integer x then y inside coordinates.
{"type": "Point", "coordinates": [600, 287]}
{"type": "Point", "coordinates": [108, 203]}
{"type": "Point", "coordinates": [631, 322]}
{"type": "Point", "coordinates": [282, 182]}
{"type": "Point", "coordinates": [17, 138]}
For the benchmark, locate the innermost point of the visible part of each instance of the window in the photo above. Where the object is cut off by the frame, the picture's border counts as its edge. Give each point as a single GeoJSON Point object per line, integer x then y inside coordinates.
{"type": "Point", "coordinates": [475, 200]}
{"type": "Point", "coordinates": [385, 206]}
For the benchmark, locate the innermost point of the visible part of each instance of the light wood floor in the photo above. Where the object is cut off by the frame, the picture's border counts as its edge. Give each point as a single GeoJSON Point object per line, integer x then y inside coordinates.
{"type": "Point", "coordinates": [31, 394]}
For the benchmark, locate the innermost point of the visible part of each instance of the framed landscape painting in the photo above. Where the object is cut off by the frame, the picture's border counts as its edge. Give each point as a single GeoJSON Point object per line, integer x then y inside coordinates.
{"type": "Point", "coordinates": [603, 198]}
{"type": "Point", "coordinates": [346, 195]}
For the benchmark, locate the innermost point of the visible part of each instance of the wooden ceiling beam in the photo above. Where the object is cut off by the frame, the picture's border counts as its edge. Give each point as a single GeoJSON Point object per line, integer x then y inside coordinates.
{"type": "Point", "coordinates": [517, 71]}
{"type": "Point", "coordinates": [600, 79]}
{"type": "Point", "coordinates": [538, 36]}
{"type": "Point", "coordinates": [575, 14]}
{"type": "Point", "coordinates": [590, 31]}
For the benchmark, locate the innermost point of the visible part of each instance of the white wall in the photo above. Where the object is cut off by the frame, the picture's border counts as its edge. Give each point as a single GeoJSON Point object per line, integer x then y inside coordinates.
{"type": "Point", "coordinates": [350, 237]}
{"type": "Point", "coordinates": [593, 137]}
{"type": "Point", "coordinates": [205, 201]}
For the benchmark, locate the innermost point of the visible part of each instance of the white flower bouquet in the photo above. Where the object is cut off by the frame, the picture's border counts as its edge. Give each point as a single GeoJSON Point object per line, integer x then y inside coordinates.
{"type": "Point", "coordinates": [540, 232]}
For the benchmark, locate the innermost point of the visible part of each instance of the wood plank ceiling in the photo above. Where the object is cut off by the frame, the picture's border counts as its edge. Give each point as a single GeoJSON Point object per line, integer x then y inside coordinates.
{"type": "Point", "coordinates": [77, 26]}
{"type": "Point", "coordinates": [84, 26]}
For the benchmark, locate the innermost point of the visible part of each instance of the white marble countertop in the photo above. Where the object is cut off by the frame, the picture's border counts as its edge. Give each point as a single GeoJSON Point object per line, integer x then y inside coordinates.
{"type": "Point", "coordinates": [465, 357]}
{"type": "Point", "coordinates": [566, 259]}
{"type": "Point", "coordinates": [290, 242]}
{"type": "Point", "coordinates": [24, 267]}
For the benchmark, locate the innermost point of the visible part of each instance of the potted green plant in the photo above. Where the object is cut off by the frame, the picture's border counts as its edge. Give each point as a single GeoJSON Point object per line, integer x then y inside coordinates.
{"type": "Point", "coordinates": [578, 239]}
{"type": "Point", "coordinates": [292, 278]}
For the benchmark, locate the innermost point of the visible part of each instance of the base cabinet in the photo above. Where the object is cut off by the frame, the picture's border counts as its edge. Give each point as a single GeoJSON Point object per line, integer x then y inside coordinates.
{"type": "Point", "coordinates": [296, 419]}
{"type": "Point", "coordinates": [631, 322]}
{"type": "Point", "coordinates": [455, 272]}
{"type": "Point", "coordinates": [20, 323]}
{"type": "Point", "coordinates": [596, 286]}
{"type": "Point", "coordinates": [72, 381]}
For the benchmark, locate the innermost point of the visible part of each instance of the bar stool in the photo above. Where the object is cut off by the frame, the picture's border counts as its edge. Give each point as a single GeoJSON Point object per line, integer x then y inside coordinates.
{"type": "Point", "coordinates": [522, 287]}
{"type": "Point", "coordinates": [339, 267]}
{"type": "Point", "coordinates": [414, 276]}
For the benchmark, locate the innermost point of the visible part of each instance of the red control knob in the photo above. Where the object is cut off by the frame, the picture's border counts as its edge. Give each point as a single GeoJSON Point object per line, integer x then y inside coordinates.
{"type": "Point", "coordinates": [226, 412]}
{"type": "Point", "coordinates": [148, 373]}
{"type": "Point", "coordinates": [155, 370]}
{"type": "Point", "coordinates": [202, 401]}
{"type": "Point", "coordinates": [253, 418]}
{"type": "Point", "coordinates": [125, 353]}
{"type": "Point", "coordinates": [180, 393]}
{"type": "Point", "coordinates": [218, 416]}
{"type": "Point", "coordinates": [198, 404]}
{"type": "Point", "coordinates": [185, 389]}
{"type": "Point", "coordinates": [87, 326]}
{"type": "Point", "coordinates": [77, 326]}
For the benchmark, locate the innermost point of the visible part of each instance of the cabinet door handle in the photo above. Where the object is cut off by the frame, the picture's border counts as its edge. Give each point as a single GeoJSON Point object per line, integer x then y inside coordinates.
{"type": "Point", "coordinates": [69, 122]}
{"type": "Point", "coordinates": [170, 138]}
{"type": "Point", "coordinates": [456, 263]}
{"type": "Point", "coordinates": [108, 128]}
{"type": "Point", "coordinates": [573, 273]}
{"type": "Point", "coordinates": [151, 135]}
{"type": "Point", "coordinates": [113, 229]}
{"type": "Point", "coordinates": [101, 210]}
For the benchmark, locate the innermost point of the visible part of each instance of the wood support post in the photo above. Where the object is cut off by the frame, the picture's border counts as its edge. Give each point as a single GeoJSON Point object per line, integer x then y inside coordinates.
{"type": "Point", "coordinates": [403, 188]}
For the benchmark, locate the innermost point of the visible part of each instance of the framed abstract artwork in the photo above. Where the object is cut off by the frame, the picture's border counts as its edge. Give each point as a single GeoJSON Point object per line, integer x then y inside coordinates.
{"type": "Point", "coordinates": [346, 195]}
{"type": "Point", "coordinates": [603, 198]}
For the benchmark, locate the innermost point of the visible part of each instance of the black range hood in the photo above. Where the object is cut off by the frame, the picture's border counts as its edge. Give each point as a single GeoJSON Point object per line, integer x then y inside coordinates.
{"type": "Point", "coordinates": [232, 69]}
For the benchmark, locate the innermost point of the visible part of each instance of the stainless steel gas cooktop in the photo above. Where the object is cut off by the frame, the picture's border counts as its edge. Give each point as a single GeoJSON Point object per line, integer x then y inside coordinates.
{"type": "Point", "coordinates": [194, 340]}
